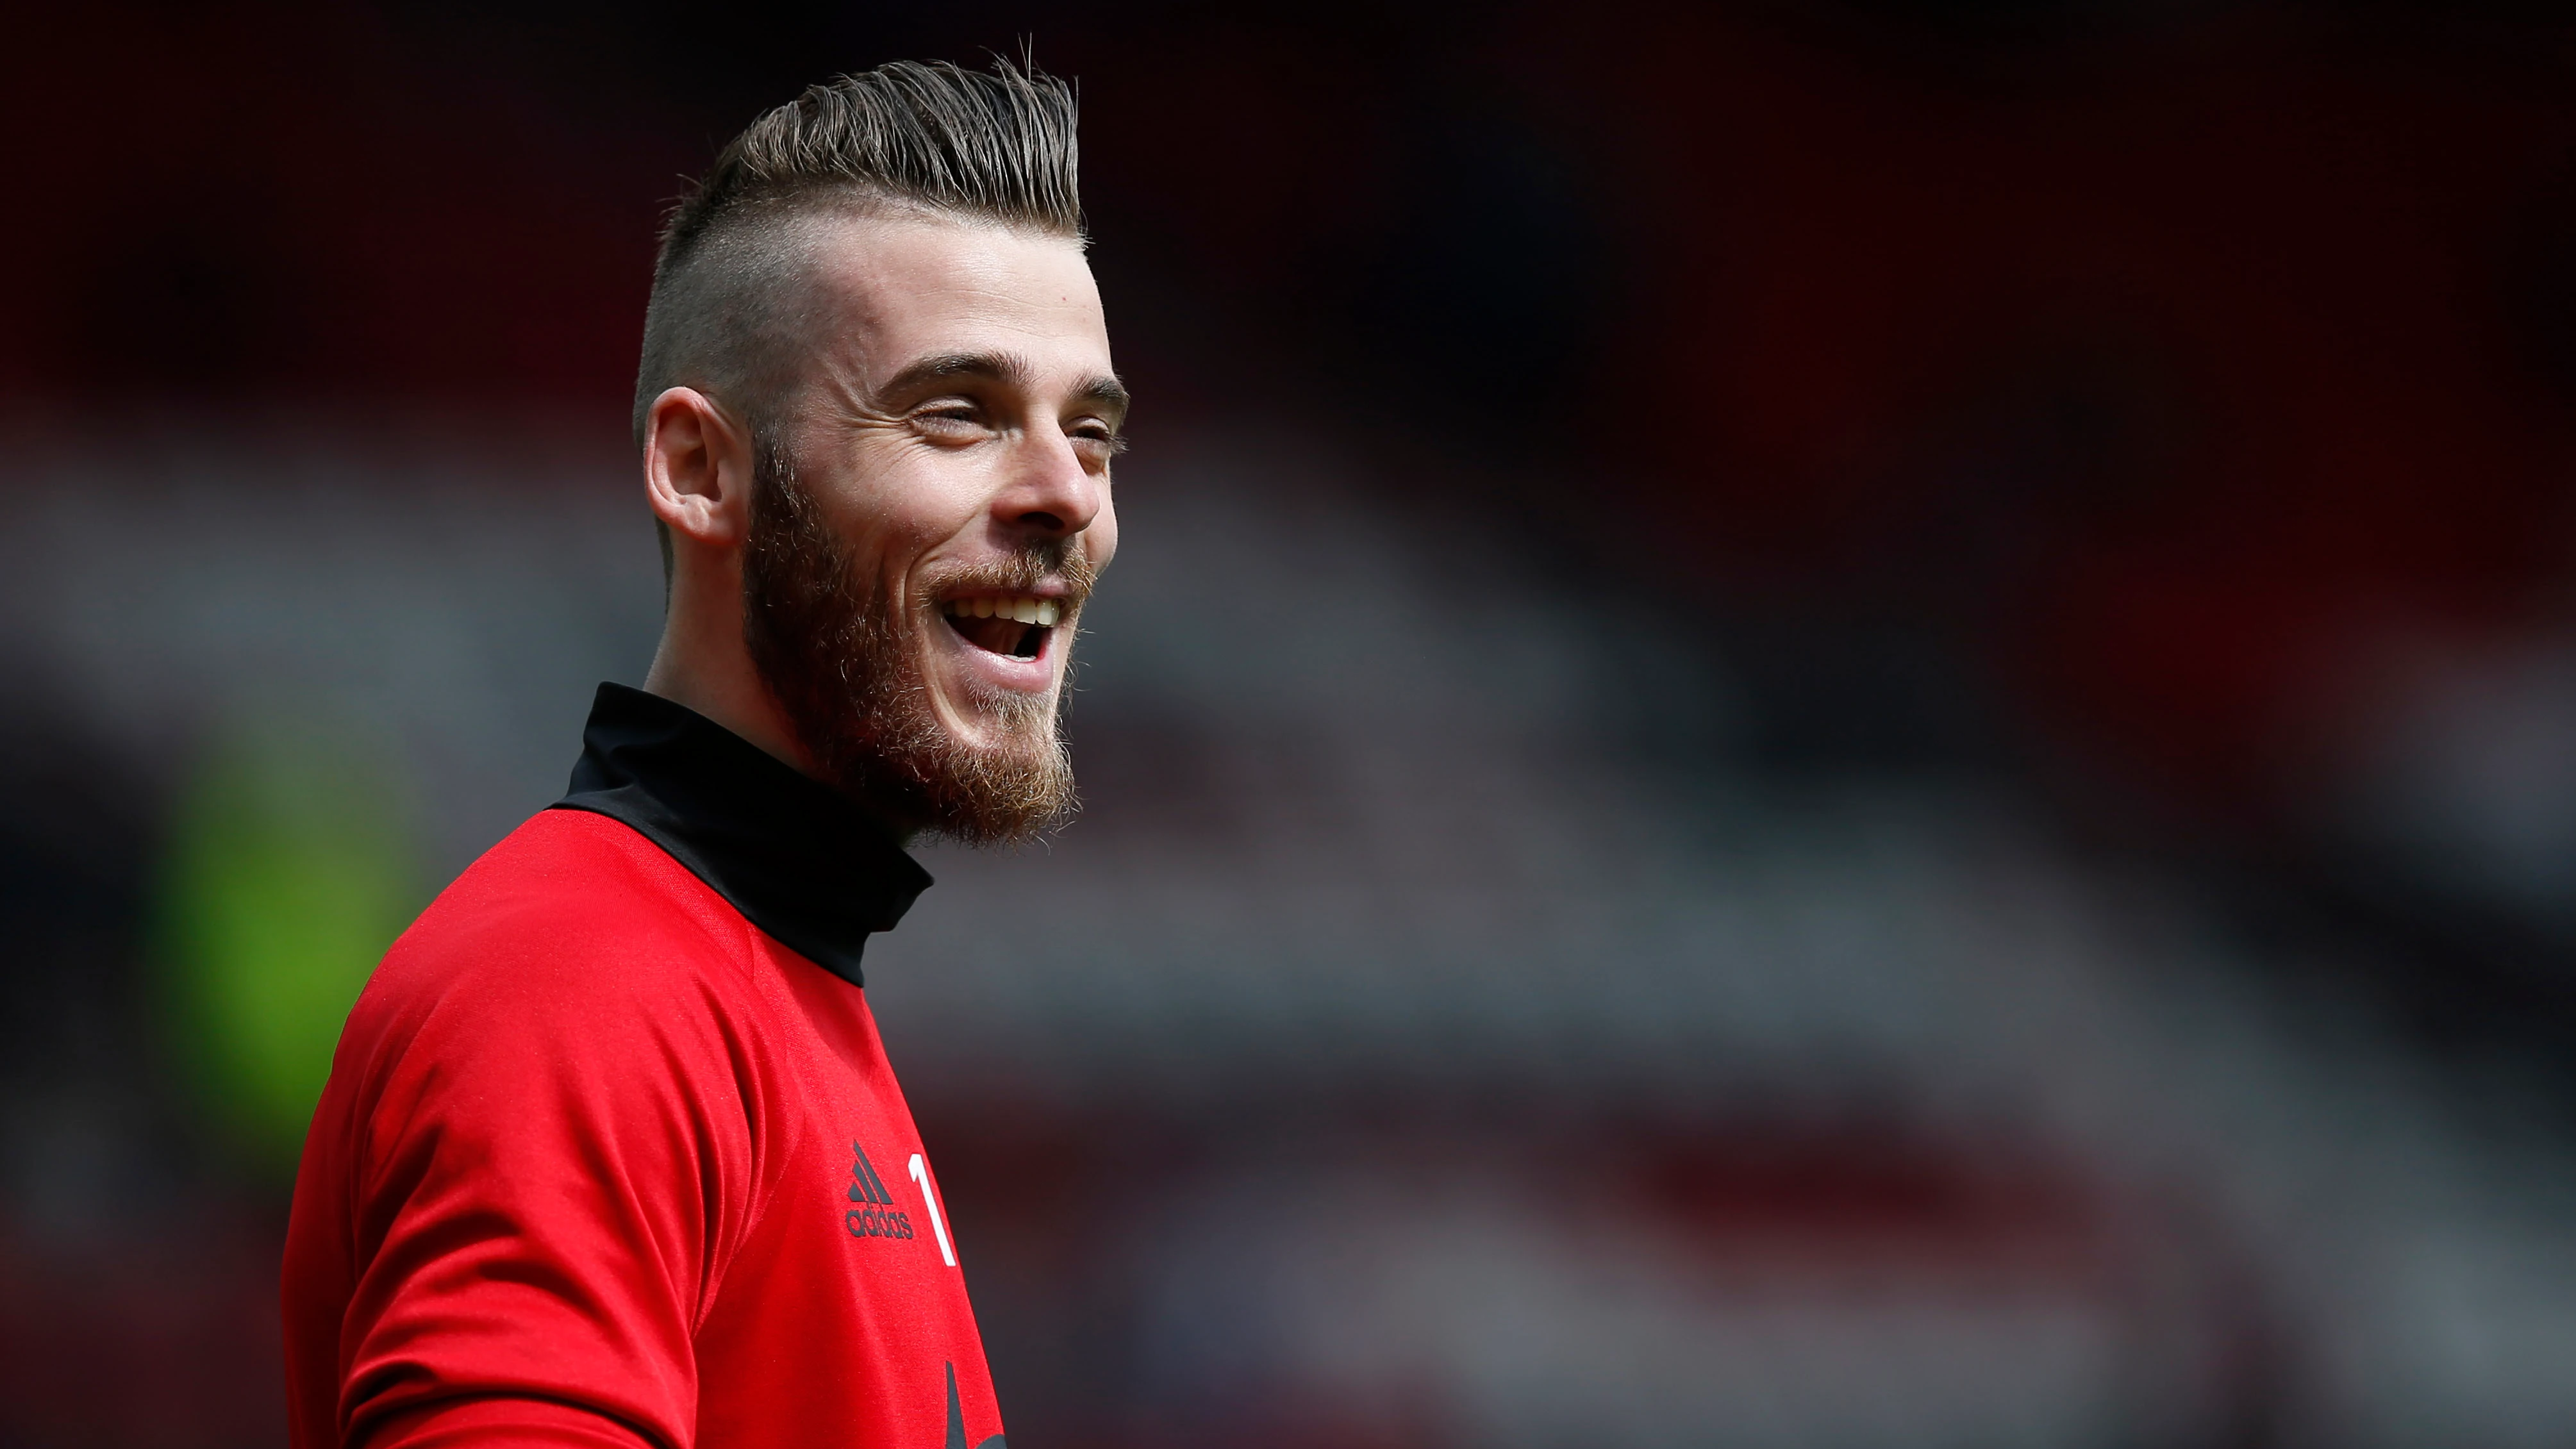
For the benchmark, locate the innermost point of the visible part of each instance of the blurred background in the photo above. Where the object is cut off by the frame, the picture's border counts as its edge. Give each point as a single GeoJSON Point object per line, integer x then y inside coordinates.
{"type": "Point", "coordinates": [1825, 723]}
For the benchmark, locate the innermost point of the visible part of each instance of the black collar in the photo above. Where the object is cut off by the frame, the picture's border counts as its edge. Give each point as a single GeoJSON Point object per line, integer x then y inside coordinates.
{"type": "Point", "coordinates": [799, 861]}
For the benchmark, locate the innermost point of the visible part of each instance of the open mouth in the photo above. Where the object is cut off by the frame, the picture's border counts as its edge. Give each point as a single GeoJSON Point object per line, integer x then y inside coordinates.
{"type": "Point", "coordinates": [1016, 625]}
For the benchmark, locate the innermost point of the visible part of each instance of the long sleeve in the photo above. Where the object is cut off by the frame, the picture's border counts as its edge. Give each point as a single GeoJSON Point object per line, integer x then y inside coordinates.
{"type": "Point", "coordinates": [543, 1141]}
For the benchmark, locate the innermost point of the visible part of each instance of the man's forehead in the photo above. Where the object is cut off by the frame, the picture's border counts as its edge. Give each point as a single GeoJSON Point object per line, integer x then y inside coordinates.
{"type": "Point", "coordinates": [908, 286]}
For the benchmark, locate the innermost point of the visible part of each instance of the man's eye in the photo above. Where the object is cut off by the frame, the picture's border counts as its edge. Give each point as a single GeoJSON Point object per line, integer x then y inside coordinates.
{"type": "Point", "coordinates": [948, 420]}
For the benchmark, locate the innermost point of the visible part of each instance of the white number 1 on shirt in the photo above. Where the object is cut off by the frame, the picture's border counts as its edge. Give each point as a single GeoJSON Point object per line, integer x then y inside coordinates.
{"type": "Point", "coordinates": [938, 1224]}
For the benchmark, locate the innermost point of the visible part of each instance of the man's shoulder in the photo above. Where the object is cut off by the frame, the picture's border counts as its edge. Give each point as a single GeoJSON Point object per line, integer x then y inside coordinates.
{"type": "Point", "coordinates": [571, 908]}
{"type": "Point", "coordinates": [570, 992]}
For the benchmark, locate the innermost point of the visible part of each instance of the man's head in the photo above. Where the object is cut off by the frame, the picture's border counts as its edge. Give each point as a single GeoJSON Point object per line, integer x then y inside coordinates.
{"type": "Point", "coordinates": [877, 413]}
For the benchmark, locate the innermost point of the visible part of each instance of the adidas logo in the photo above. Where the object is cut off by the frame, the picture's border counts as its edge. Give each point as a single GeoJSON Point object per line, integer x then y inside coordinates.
{"type": "Point", "coordinates": [871, 1219]}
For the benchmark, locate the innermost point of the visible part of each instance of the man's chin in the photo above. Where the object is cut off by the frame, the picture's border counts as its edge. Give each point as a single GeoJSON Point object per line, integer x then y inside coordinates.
{"type": "Point", "coordinates": [991, 768]}
{"type": "Point", "coordinates": [1003, 794]}
{"type": "Point", "coordinates": [1022, 727]}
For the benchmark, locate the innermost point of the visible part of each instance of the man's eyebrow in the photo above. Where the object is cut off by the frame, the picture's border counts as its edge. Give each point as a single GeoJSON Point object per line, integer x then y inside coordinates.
{"type": "Point", "coordinates": [1104, 392]}
{"type": "Point", "coordinates": [991, 366]}
{"type": "Point", "coordinates": [1107, 394]}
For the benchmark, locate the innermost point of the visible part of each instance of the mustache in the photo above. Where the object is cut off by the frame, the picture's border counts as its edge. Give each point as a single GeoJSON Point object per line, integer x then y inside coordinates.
{"type": "Point", "coordinates": [1058, 563]}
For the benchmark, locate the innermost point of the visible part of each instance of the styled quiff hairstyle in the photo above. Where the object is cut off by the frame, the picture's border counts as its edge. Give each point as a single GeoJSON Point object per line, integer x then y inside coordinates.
{"type": "Point", "coordinates": [728, 314]}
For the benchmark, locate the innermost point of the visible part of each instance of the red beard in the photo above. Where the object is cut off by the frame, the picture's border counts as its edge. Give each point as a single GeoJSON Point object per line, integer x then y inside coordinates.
{"type": "Point", "coordinates": [831, 652]}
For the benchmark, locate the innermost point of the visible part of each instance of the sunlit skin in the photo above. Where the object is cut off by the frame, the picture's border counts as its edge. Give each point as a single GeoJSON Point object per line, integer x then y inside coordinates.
{"type": "Point", "coordinates": [960, 400]}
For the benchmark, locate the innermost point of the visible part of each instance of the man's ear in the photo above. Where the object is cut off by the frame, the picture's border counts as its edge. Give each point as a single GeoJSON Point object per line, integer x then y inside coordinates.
{"type": "Point", "coordinates": [697, 468]}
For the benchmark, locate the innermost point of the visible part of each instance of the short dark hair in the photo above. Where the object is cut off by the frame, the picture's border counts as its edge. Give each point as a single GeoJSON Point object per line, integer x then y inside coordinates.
{"type": "Point", "coordinates": [930, 137]}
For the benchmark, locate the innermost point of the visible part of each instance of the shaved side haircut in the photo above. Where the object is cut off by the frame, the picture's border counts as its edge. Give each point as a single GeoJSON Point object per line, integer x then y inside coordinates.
{"type": "Point", "coordinates": [930, 139]}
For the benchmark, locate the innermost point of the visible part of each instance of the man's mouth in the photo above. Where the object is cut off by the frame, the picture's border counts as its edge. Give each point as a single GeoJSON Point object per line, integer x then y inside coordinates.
{"type": "Point", "coordinates": [1016, 625]}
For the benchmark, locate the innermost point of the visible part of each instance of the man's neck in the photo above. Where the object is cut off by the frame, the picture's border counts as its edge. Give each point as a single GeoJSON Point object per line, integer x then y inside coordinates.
{"type": "Point", "coordinates": [707, 669]}
{"type": "Point", "coordinates": [702, 664]}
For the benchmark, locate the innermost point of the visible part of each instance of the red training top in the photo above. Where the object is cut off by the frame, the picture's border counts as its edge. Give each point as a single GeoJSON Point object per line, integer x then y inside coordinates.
{"type": "Point", "coordinates": [603, 1162]}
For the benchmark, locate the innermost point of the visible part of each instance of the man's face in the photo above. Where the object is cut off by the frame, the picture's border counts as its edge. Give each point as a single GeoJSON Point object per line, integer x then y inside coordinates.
{"type": "Point", "coordinates": [924, 545]}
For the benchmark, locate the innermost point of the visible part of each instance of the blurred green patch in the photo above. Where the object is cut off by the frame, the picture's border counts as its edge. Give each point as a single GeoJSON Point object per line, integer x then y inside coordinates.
{"type": "Point", "coordinates": [290, 870]}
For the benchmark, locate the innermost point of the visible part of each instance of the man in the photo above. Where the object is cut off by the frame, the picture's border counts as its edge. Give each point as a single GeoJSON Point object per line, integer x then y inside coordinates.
{"type": "Point", "coordinates": [610, 1153]}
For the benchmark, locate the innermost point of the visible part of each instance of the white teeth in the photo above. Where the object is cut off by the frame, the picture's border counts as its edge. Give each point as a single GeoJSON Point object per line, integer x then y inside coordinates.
{"type": "Point", "coordinates": [1021, 608]}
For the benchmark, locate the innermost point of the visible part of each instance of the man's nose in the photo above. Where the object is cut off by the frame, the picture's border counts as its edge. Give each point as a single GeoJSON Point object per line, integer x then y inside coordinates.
{"type": "Point", "coordinates": [1051, 493]}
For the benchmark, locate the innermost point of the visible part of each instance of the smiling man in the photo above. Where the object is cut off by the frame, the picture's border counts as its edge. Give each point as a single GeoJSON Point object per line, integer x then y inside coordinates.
{"type": "Point", "coordinates": [610, 1153]}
